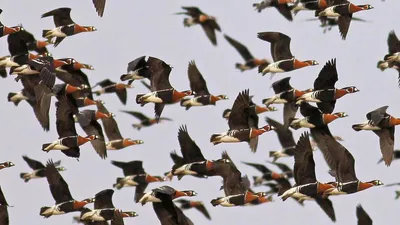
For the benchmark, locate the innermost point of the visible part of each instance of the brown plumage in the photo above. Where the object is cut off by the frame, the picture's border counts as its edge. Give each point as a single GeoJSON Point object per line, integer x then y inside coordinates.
{"type": "Point", "coordinates": [99, 5]}
{"type": "Point", "coordinates": [4, 219]}
{"type": "Point", "coordinates": [362, 216]}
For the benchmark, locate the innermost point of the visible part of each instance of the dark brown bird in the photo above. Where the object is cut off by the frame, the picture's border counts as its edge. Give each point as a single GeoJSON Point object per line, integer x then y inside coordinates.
{"type": "Point", "coordinates": [208, 23]}
{"type": "Point", "coordinates": [362, 216]}
{"type": "Point", "coordinates": [38, 169]}
{"type": "Point", "coordinates": [100, 6]}
{"type": "Point", "coordinates": [281, 5]}
{"type": "Point", "coordinates": [144, 120]}
{"type": "Point", "coordinates": [108, 86]}
{"type": "Point", "coordinates": [250, 61]}
{"type": "Point", "coordinates": [286, 139]}
{"type": "Point", "coordinates": [186, 204]}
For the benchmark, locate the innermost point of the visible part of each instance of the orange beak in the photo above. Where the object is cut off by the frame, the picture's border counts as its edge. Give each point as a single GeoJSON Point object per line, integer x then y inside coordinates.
{"type": "Point", "coordinates": [69, 89]}
{"type": "Point", "coordinates": [79, 205]}
{"type": "Point", "coordinates": [41, 44]}
{"type": "Point", "coordinates": [261, 109]}
{"type": "Point", "coordinates": [100, 115]}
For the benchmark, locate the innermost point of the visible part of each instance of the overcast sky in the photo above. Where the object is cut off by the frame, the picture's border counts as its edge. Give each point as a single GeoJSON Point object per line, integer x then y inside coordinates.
{"type": "Point", "coordinates": [130, 29]}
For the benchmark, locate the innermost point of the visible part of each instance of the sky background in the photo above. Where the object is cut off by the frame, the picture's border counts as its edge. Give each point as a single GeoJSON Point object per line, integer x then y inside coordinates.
{"type": "Point", "coordinates": [130, 29]}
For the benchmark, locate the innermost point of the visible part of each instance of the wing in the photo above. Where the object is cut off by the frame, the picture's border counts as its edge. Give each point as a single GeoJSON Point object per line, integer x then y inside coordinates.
{"type": "Point", "coordinates": [190, 151]}
{"type": "Point", "coordinates": [327, 77]}
{"type": "Point", "coordinates": [110, 125]}
{"type": "Point", "coordinates": [203, 210]}
{"type": "Point", "coordinates": [177, 159]}
{"type": "Point", "coordinates": [304, 165]}
{"type": "Point", "coordinates": [137, 63]}
{"type": "Point", "coordinates": [160, 74]}
{"type": "Point", "coordinates": [197, 82]}
{"type": "Point", "coordinates": [139, 191]}
{"type": "Point", "coordinates": [65, 122]}
{"type": "Point", "coordinates": [99, 5]}
{"type": "Point", "coordinates": [138, 115]}
{"type": "Point", "coordinates": [308, 110]}
{"type": "Point", "coordinates": [3, 201]}
{"type": "Point", "coordinates": [285, 11]}
{"type": "Point", "coordinates": [280, 45]}
{"type": "Point", "coordinates": [122, 95]}
{"type": "Point", "coordinates": [193, 11]}
{"type": "Point", "coordinates": [17, 45]}
{"type": "Point", "coordinates": [285, 135]}
{"type": "Point", "coordinates": [4, 218]}
{"type": "Point", "coordinates": [327, 206]}
{"type": "Point", "coordinates": [99, 144]}
{"type": "Point", "coordinates": [104, 83]}
{"type": "Point", "coordinates": [263, 169]}
{"type": "Point", "coordinates": [362, 216]}
{"type": "Point", "coordinates": [58, 187]}
{"type": "Point", "coordinates": [386, 142]}
{"type": "Point", "coordinates": [103, 199]}
{"type": "Point", "coordinates": [344, 25]}
{"type": "Point", "coordinates": [158, 109]}
{"type": "Point", "coordinates": [35, 165]}
{"type": "Point", "coordinates": [346, 172]}
{"type": "Point", "coordinates": [117, 219]}
{"type": "Point", "coordinates": [238, 118]}
{"type": "Point", "coordinates": [130, 168]}
{"type": "Point", "coordinates": [282, 85]}
{"type": "Point", "coordinates": [209, 27]}
{"type": "Point", "coordinates": [393, 42]}
{"type": "Point", "coordinates": [289, 112]}
{"type": "Point", "coordinates": [232, 180]}
{"type": "Point", "coordinates": [243, 51]}
{"type": "Point", "coordinates": [377, 115]}
{"type": "Point", "coordinates": [61, 16]}
{"type": "Point", "coordinates": [281, 166]}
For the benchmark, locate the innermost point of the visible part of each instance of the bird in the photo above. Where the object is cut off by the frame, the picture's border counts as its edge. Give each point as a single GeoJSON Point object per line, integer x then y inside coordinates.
{"type": "Point", "coordinates": [161, 90]}
{"type": "Point", "coordinates": [267, 174]}
{"type": "Point", "coordinates": [242, 124]}
{"type": "Point", "coordinates": [383, 125]}
{"type": "Point", "coordinates": [362, 216]}
{"type": "Point", "coordinates": [302, 5]}
{"type": "Point", "coordinates": [344, 10]}
{"type": "Point", "coordinates": [4, 218]}
{"type": "Point", "coordinates": [155, 194]}
{"type": "Point", "coordinates": [208, 23]}
{"type": "Point", "coordinates": [65, 203]}
{"type": "Point", "coordinates": [250, 61]}
{"type": "Point", "coordinates": [115, 139]}
{"type": "Point", "coordinates": [137, 70]}
{"type": "Point", "coordinates": [4, 30]}
{"type": "Point", "coordinates": [257, 109]}
{"type": "Point", "coordinates": [287, 95]}
{"type": "Point", "coordinates": [186, 204]}
{"type": "Point", "coordinates": [392, 59]}
{"type": "Point", "coordinates": [144, 120]}
{"type": "Point", "coordinates": [99, 5]}
{"type": "Point", "coordinates": [281, 5]}
{"type": "Point", "coordinates": [396, 155]}
{"type": "Point", "coordinates": [65, 26]}
{"type": "Point", "coordinates": [134, 175]}
{"type": "Point", "coordinates": [286, 139]}
{"type": "Point", "coordinates": [108, 86]}
{"type": "Point", "coordinates": [198, 85]}
{"type": "Point", "coordinates": [325, 93]}
{"type": "Point", "coordinates": [38, 169]}
{"type": "Point", "coordinates": [103, 208]}
{"type": "Point", "coordinates": [284, 61]}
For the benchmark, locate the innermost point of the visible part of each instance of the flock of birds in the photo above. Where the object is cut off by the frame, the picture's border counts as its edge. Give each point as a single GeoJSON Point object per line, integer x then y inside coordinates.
{"type": "Point", "coordinates": [38, 73]}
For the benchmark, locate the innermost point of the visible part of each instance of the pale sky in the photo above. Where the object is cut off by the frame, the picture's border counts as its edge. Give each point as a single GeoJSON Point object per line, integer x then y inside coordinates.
{"type": "Point", "coordinates": [130, 29]}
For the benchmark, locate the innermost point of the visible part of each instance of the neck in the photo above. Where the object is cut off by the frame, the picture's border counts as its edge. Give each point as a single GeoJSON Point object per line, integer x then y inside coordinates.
{"type": "Point", "coordinates": [394, 121]}
{"type": "Point", "coordinates": [297, 64]}
{"type": "Point", "coordinates": [363, 186]}
{"type": "Point", "coordinates": [355, 8]}
{"type": "Point", "coordinates": [340, 93]}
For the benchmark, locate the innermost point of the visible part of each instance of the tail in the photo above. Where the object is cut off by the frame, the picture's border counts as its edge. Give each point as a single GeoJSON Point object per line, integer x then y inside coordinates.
{"type": "Point", "coordinates": [357, 127]}
{"type": "Point", "coordinates": [215, 202]}
{"type": "Point", "coordinates": [296, 127]}
{"type": "Point", "coordinates": [381, 160]}
{"type": "Point", "coordinates": [270, 198]}
{"type": "Point", "coordinates": [293, 9]}
{"type": "Point", "coordinates": [138, 98]}
{"type": "Point", "coordinates": [215, 138]}
{"type": "Point", "coordinates": [44, 146]}
{"type": "Point", "coordinates": [137, 126]}
{"type": "Point", "coordinates": [387, 57]}
{"type": "Point", "coordinates": [22, 175]}
{"type": "Point", "coordinates": [186, 22]}
{"type": "Point", "coordinates": [10, 95]}
{"type": "Point", "coordinates": [382, 68]}
{"type": "Point", "coordinates": [257, 6]}
{"type": "Point", "coordinates": [125, 77]}
{"type": "Point", "coordinates": [397, 195]}
{"type": "Point", "coordinates": [3, 72]}
{"type": "Point", "coordinates": [185, 103]}
{"type": "Point", "coordinates": [43, 210]}
{"type": "Point", "coordinates": [272, 153]}
{"type": "Point", "coordinates": [239, 66]}
{"type": "Point", "coordinates": [97, 93]}
{"type": "Point", "coordinates": [117, 185]}
{"type": "Point", "coordinates": [262, 67]}
{"type": "Point", "coordinates": [45, 33]}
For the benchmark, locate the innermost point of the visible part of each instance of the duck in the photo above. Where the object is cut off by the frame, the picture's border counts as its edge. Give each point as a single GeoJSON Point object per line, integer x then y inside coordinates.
{"type": "Point", "coordinates": [257, 109]}
{"type": "Point", "coordinates": [7, 164]}
{"type": "Point", "coordinates": [362, 217]}
{"type": "Point", "coordinates": [394, 48]}
{"type": "Point", "coordinates": [36, 65]}
{"type": "Point", "coordinates": [267, 174]}
{"type": "Point", "coordinates": [208, 23]}
{"type": "Point", "coordinates": [103, 208]}
{"type": "Point", "coordinates": [161, 90]}
{"type": "Point", "coordinates": [65, 203]}
{"type": "Point", "coordinates": [134, 175]}
{"type": "Point", "coordinates": [4, 218]}
{"type": "Point", "coordinates": [250, 61]}
{"type": "Point", "coordinates": [137, 70]}
{"type": "Point", "coordinates": [285, 94]}
{"type": "Point", "coordinates": [280, 186]}
{"type": "Point", "coordinates": [383, 125]}
{"type": "Point", "coordinates": [286, 139]}
{"type": "Point", "coordinates": [281, 5]}
{"type": "Point", "coordinates": [307, 186]}
{"type": "Point", "coordinates": [145, 121]}
{"type": "Point", "coordinates": [115, 139]}
{"type": "Point", "coordinates": [396, 155]}
{"type": "Point", "coordinates": [344, 10]}
{"type": "Point", "coordinates": [314, 118]}
{"type": "Point", "coordinates": [235, 187]}
{"type": "Point", "coordinates": [198, 85]}
{"type": "Point", "coordinates": [328, 23]}
{"type": "Point", "coordinates": [4, 30]}
{"type": "Point", "coordinates": [194, 163]}
{"type": "Point", "coordinates": [242, 124]}
{"type": "Point", "coordinates": [187, 204]}
{"type": "Point", "coordinates": [38, 169]}
{"type": "Point", "coordinates": [108, 86]}
{"type": "Point", "coordinates": [68, 141]}
{"type": "Point", "coordinates": [65, 26]}
{"type": "Point", "coordinates": [166, 210]}
{"type": "Point", "coordinates": [283, 167]}
{"type": "Point", "coordinates": [99, 5]}
{"type": "Point", "coordinates": [302, 5]}
{"type": "Point", "coordinates": [87, 119]}
{"type": "Point", "coordinates": [325, 93]}
{"type": "Point", "coordinates": [155, 194]}
{"type": "Point", "coordinates": [32, 44]}
{"type": "Point", "coordinates": [284, 61]}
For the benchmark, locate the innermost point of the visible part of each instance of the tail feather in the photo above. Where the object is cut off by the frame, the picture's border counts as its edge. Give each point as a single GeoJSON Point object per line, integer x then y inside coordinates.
{"type": "Point", "coordinates": [43, 209]}
{"type": "Point", "coordinates": [138, 100]}
{"type": "Point", "coordinates": [137, 126]}
{"type": "Point", "coordinates": [215, 202]}
{"type": "Point", "coordinates": [44, 146]}
{"type": "Point", "coordinates": [10, 95]}
{"type": "Point", "coordinates": [23, 176]}
{"type": "Point", "coordinates": [125, 77]}
{"type": "Point", "coordinates": [262, 67]}
{"type": "Point", "coordinates": [239, 66]}
{"type": "Point", "coordinates": [45, 33]}
{"type": "Point", "coordinates": [3, 72]}
{"type": "Point", "coordinates": [185, 100]}
{"type": "Point", "coordinates": [214, 138]}
{"type": "Point", "coordinates": [357, 127]}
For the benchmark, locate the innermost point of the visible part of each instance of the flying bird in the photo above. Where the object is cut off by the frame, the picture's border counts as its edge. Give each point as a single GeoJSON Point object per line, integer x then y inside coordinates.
{"type": "Point", "coordinates": [144, 120]}
{"type": "Point", "coordinates": [281, 5]}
